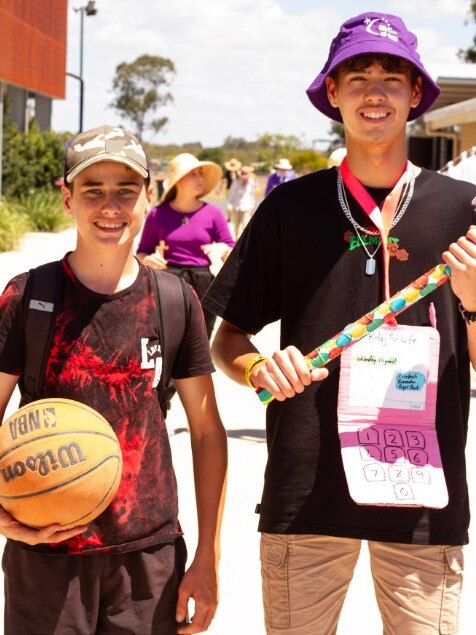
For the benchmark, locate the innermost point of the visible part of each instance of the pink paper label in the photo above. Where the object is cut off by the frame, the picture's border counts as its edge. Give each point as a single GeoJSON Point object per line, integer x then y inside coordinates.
{"type": "Point", "coordinates": [386, 418]}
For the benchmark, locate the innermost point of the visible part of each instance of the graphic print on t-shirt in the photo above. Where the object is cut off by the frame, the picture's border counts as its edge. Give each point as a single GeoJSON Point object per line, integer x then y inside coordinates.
{"type": "Point", "coordinates": [373, 241]}
{"type": "Point", "coordinates": [151, 357]}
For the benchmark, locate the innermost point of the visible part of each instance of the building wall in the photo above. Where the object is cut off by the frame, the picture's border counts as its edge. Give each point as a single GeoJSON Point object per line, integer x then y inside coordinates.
{"type": "Point", "coordinates": [468, 136]}
{"type": "Point", "coordinates": [17, 106]}
{"type": "Point", "coordinates": [33, 45]}
{"type": "Point", "coordinates": [430, 152]}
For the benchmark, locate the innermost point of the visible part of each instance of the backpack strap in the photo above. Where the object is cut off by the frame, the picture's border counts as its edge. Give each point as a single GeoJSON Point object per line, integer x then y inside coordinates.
{"type": "Point", "coordinates": [41, 300]}
{"type": "Point", "coordinates": [173, 303]}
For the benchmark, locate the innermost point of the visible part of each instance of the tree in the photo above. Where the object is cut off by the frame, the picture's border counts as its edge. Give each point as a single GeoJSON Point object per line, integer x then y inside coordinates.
{"type": "Point", "coordinates": [469, 55]}
{"type": "Point", "coordinates": [138, 88]}
{"type": "Point", "coordinates": [337, 136]}
{"type": "Point", "coordinates": [217, 155]}
{"type": "Point", "coordinates": [235, 143]}
{"type": "Point", "coordinates": [272, 147]}
{"type": "Point", "coordinates": [305, 161]}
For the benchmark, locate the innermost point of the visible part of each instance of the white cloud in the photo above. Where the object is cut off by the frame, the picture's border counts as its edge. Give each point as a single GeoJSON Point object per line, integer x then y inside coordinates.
{"type": "Point", "coordinates": [242, 65]}
{"type": "Point", "coordinates": [432, 9]}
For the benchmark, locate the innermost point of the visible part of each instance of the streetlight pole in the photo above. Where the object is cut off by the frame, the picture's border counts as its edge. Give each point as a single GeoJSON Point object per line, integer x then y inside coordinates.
{"type": "Point", "coordinates": [81, 57]}
{"type": "Point", "coordinates": [88, 9]}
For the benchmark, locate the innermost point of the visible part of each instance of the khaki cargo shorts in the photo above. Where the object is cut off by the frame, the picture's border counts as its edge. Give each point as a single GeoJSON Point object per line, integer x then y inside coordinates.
{"type": "Point", "coordinates": [305, 579]}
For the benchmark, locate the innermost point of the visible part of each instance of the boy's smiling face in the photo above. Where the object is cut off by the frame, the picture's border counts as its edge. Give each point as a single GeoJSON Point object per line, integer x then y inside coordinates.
{"type": "Point", "coordinates": [374, 102]}
{"type": "Point", "coordinates": [108, 200]}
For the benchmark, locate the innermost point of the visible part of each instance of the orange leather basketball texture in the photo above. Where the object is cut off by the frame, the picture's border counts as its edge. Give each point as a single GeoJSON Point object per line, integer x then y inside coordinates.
{"type": "Point", "coordinates": [60, 462]}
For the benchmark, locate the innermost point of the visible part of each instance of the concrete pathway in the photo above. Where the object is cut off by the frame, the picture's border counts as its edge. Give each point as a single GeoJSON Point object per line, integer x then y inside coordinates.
{"type": "Point", "coordinates": [240, 611]}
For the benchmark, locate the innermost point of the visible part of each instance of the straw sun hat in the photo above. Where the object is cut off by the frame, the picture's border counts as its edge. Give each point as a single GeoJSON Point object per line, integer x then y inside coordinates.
{"type": "Point", "coordinates": [283, 164]}
{"type": "Point", "coordinates": [184, 163]}
{"type": "Point", "coordinates": [233, 165]}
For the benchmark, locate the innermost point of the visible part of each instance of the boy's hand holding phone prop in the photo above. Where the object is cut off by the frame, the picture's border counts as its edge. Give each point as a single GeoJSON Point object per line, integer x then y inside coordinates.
{"type": "Point", "coordinates": [382, 314]}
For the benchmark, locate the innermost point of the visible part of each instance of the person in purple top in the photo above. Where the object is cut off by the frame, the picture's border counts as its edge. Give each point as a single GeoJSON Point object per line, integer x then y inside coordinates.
{"type": "Point", "coordinates": [284, 172]}
{"type": "Point", "coordinates": [184, 234]}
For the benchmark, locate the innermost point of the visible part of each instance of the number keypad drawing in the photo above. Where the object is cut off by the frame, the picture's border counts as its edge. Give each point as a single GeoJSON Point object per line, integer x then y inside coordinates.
{"type": "Point", "coordinates": [401, 459]}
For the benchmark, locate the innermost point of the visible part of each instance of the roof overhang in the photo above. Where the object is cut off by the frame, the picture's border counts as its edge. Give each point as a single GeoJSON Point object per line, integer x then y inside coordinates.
{"type": "Point", "coordinates": [454, 90]}
{"type": "Point", "coordinates": [458, 114]}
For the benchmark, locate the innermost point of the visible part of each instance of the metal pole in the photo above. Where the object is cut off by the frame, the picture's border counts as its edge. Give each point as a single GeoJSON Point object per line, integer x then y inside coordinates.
{"type": "Point", "coordinates": [80, 90]}
{"type": "Point", "coordinates": [81, 85]}
{"type": "Point", "coordinates": [81, 102]}
{"type": "Point", "coordinates": [1, 134]}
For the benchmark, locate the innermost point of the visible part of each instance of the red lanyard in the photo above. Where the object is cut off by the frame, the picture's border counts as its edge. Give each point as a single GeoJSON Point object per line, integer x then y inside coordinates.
{"type": "Point", "coordinates": [382, 219]}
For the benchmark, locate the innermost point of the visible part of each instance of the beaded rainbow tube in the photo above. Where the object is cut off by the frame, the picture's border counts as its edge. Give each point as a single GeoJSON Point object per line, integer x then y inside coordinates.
{"type": "Point", "coordinates": [383, 313]}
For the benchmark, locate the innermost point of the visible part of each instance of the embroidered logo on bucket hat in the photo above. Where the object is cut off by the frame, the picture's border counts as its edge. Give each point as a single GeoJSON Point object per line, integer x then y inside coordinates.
{"type": "Point", "coordinates": [377, 33]}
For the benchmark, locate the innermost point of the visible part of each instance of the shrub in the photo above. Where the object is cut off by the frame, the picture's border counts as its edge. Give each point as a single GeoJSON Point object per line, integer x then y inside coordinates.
{"type": "Point", "coordinates": [31, 160]}
{"type": "Point", "coordinates": [305, 161]}
{"type": "Point", "coordinates": [13, 225]}
{"type": "Point", "coordinates": [44, 210]}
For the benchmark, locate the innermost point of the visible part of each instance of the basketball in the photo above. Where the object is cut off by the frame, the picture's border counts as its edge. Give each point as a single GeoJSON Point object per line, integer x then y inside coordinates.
{"type": "Point", "coordinates": [60, 462]}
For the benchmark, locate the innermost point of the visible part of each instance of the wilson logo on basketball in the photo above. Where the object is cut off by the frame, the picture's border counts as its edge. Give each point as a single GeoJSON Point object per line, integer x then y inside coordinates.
{"type": "Point", "coordinates": [32, 420]}
{"type": "Point", "coordinates": [44, 462]}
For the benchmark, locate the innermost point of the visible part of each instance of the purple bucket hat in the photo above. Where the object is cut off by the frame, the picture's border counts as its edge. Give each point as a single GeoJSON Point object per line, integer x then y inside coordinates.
{"type": "Point", "coordinates": [372, 32]}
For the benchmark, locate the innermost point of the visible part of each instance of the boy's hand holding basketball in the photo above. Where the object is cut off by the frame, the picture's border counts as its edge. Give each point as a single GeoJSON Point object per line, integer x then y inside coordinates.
{"type": "Point", "coordinates": [11, 528]}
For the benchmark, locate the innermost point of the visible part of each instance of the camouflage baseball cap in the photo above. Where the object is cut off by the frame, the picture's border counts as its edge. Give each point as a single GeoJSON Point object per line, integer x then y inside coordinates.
{"type": "Point", "coordinates": [106, 143]}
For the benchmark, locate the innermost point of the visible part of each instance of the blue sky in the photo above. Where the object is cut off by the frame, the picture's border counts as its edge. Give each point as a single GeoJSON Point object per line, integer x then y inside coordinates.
{"type": "Point", "coordinates": [242, 65]}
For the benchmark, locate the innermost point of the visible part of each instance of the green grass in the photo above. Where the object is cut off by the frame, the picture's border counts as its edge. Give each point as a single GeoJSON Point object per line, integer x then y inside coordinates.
{"type": "Point", "coordinates": [41, 210]}
{"type": "Point", "coordinates": [13, 225]}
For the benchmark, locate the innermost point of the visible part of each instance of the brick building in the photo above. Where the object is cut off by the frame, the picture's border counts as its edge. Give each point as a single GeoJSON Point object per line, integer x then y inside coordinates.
{"type": "Point", "coordinates": [32, 57]}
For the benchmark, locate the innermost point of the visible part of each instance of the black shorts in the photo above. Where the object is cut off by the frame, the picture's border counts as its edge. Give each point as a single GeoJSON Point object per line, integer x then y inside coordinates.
{"type": "Point", "coordinates": [200, 278]}
{"type": "Point", "coordinates": [133, 593]}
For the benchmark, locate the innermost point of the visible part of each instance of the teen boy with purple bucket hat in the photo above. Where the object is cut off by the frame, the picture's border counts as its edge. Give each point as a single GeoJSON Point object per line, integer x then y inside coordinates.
{"type": "Point", "coordinates": [336, 475]}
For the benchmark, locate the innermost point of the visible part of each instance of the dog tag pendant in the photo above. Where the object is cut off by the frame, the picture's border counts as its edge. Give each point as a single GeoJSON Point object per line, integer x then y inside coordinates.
{"type": "Point", "coordinates": [370, 267]}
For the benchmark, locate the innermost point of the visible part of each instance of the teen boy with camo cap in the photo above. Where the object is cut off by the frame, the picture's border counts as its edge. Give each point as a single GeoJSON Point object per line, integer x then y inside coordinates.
{"type": "Point", "coordinates": [124, 571]}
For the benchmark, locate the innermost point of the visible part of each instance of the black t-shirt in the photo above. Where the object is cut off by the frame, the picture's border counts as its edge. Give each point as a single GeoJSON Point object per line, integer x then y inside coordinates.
{"type": "Point", "coordinates": [99, 357]}
{"type": "Point", "coordinates": [298, 261]}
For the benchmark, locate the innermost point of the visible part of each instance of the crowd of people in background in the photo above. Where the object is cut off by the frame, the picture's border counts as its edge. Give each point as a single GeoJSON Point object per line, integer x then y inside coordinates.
{"type": "Point", "coordinates": [237, 192]}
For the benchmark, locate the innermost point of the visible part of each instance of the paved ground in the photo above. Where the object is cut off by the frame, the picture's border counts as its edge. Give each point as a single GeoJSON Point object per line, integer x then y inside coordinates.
{"type": "Point", "coordinates": [240, 610]}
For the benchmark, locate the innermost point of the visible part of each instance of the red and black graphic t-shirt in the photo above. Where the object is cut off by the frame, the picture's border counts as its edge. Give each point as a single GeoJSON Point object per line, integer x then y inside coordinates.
{"type": "Point", "coordinates": [103, 355]}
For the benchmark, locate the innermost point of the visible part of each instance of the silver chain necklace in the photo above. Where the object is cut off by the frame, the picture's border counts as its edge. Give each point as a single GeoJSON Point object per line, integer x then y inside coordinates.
{"type": "Point", "coordinates": [400, 211]}
{"type": "Point", "coordinates": [370, 264]}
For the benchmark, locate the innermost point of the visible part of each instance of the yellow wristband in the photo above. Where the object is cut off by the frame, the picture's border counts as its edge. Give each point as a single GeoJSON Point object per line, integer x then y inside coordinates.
{"type": "Point", "coordinates": [250, 365]}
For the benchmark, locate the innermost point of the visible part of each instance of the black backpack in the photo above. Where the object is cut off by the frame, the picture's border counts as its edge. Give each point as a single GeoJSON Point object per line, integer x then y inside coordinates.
{"type": "Point", "coordinates": [42, 300]}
